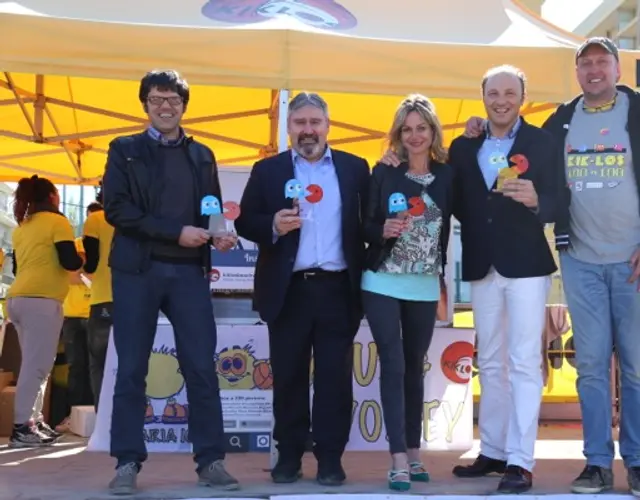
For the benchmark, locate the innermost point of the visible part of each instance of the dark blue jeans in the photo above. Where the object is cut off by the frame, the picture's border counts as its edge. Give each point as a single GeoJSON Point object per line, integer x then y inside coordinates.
{"type": "Point", "coordinates": [181, 292]}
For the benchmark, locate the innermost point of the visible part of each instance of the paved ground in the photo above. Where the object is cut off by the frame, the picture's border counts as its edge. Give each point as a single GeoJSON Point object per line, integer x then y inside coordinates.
{"type": "Point", "coordinates": [67, 472]}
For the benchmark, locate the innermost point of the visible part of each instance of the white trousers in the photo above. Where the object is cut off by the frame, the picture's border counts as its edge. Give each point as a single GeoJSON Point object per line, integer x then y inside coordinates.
{"type": "Point", "coordinates": [509, 318]}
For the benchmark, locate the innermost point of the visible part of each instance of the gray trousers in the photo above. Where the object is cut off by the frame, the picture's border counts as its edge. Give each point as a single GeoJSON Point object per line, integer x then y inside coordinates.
{"type": "Point", "coordinates": [38, 323]}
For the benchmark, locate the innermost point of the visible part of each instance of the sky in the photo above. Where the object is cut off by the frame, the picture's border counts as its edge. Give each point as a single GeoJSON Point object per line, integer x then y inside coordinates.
{"type": "Point", "coordinates": [569, 14]}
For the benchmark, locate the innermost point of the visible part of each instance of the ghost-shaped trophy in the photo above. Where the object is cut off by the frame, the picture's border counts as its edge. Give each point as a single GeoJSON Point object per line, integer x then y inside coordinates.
{"type": "Point", "coordinates": [293, 191]}
{"type": "Point", "coordinates": [210, 205]}
{"type": "Point", "coordinates": [398, 206]}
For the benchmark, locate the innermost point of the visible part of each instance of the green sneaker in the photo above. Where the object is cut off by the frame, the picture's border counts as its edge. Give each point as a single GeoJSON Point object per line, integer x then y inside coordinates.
{"type": "Point", "coordinates": [399, 480]}
{"type": "Point", "coordinates": [418, 473]}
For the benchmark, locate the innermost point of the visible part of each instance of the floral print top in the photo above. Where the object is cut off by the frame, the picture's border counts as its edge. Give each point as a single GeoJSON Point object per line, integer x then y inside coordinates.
{"type": "Point", "coordinates": [417, 250]}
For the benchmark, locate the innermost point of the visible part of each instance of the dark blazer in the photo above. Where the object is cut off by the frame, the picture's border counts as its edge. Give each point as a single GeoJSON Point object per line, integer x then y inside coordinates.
{"type": "Point", "coordinates": [498, 231]}
{"type": "Point", "coordinates": [264, 196]}
{"type": "Point", "coordinates": [386, 180]}
{"type": "Point", "coordinates": [132, 196]}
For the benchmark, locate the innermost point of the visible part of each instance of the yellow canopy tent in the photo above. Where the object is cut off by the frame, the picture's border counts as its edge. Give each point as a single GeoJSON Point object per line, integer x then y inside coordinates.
{"type": "Point", "coordinates": [70, 70]}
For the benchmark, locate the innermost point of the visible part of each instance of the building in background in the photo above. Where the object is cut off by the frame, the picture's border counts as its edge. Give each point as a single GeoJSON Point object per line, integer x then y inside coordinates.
{"type": "Point", "coordinates": [7, 224]}
{"type": "Point", "coordinates": [615, 19]}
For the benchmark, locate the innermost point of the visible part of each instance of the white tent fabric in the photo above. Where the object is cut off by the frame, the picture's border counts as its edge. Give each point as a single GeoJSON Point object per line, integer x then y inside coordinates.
{"type": "Point", "coordinates": [363, 46]}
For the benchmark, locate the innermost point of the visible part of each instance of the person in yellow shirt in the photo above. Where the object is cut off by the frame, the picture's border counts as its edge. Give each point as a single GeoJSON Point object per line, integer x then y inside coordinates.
{"type": "Point", "coordinates": [44, 253]}
{"type": "Point", "coordinates": [98, 234]}
{"type": "Point", "coordinates": [74, 336]}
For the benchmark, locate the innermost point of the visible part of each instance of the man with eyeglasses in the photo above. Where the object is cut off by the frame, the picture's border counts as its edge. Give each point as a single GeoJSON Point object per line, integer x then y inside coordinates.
{"type": "Point", "coordinates": [160, 258]}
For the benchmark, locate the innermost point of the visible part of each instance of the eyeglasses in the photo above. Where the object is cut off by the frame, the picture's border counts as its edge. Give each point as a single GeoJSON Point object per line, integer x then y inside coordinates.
{"type": "Point", "coordinates": [156, 100]}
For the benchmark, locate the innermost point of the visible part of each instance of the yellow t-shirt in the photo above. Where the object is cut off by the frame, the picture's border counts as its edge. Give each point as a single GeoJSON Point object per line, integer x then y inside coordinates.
{"type": "Point", "coordinates": [97, 227]}
{"type": "Point", "coordinates": [39, 271]}
{"type": "Point", "coordinates": [77, 304]}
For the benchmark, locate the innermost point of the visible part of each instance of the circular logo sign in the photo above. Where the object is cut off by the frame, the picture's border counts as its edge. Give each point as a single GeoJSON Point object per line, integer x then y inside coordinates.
{"type": "Point", "coordinates": [457, 362]}
{"type": "Point", "coordinates": [214, 275]}
{"type": "Point", "coordinates": [324, 14]}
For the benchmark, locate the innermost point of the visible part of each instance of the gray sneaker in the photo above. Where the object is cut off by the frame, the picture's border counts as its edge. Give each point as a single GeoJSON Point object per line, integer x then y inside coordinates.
{"type": "Point", "coordinates": [125, 482]}
{"type": "Point", "coordinates": [216, 476]}
{"type": "Point", "coordinates": [593, 479]}
{"type": "Point", "coordinates": [633, 478]}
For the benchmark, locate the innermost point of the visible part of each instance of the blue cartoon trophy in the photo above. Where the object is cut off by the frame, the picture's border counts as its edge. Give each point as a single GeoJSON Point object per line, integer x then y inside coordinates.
{"type": "Point", "coordinates": [293, 190]}
{"type": "Point", "coordinates": [303, 199]}
{"type": "Point", "coordinates": [210, 205]}
{"type": "Point", "coordinates": [398, 206]}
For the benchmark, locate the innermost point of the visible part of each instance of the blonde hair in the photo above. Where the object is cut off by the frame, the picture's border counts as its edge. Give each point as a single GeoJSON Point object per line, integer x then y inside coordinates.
{"type": "Point", "coordinates": [427, 111]}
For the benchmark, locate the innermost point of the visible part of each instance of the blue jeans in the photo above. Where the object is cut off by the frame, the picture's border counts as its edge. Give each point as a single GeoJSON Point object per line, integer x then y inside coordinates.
{"type": "Point", "coordinates": [181, 291]}
{"type": "Point", "coordinates": [605, 311]}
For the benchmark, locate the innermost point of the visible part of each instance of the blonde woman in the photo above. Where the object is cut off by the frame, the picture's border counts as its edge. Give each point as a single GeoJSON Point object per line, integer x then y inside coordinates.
{"type": "Point", "coordinates": [407, 228]}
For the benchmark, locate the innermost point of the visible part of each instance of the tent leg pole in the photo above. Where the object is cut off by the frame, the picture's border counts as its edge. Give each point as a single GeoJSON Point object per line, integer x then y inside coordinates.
{"type": "Point", "coordinates": [283, 144]}
{"type": "Point", "coordinates": [283, 139]}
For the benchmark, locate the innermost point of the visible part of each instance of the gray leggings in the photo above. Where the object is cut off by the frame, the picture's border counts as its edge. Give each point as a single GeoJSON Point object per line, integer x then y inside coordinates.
{"type": "Point", "coordinates": [38, 323]}
{"type": "Point", "coordinates": [402, 330]}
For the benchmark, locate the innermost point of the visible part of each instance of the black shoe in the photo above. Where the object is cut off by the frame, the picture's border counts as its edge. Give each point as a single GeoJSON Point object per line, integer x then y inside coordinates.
{"type": "Point", "coordinates": [633, 479]}
{"type": "Point", "coordinates": [330, 473]}
{"type": "Point", "coordinates": [515, 480]}
{"type": "Point", "coordinates": [483, 466]}
{"type": "Point", "coordinates": [286, 471]}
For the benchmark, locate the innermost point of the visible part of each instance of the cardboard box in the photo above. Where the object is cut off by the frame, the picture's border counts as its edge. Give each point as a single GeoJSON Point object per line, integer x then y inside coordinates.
{"type": "Point", "coordinates": [7, 398]}
{"type": "Point", "coordinates": [6, 378]}
{"type": "Point", "coordinates": [83, 420]}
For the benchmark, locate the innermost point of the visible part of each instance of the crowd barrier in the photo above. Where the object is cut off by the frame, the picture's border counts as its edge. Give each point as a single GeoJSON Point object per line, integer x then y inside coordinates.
{"type": "Point", "coordinates": [245, 378]}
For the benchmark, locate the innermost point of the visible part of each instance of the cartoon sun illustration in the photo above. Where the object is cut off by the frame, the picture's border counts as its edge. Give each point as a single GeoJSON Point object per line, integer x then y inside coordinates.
{"type": "Point", "coordinates": [239, 369]}
{"type": "Point", "coordinates": [164, 381]}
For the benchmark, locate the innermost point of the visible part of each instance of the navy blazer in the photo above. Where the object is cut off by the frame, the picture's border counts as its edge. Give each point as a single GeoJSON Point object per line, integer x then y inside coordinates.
{"type": "Point", "coordinates": [497, 231]}
{"type": "Point", "coordinates": [387, 180]}
{"type": "Point", "coordinates": [263, 197]}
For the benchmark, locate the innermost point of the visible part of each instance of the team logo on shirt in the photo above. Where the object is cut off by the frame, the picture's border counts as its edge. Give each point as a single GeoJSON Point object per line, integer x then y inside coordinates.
{"type": "Point", "coordinates": [323, 14]}
{"type": "Point", "coordinates": [457, 362]}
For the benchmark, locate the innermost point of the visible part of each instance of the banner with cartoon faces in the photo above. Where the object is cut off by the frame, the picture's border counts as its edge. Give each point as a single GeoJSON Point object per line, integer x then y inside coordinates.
{"type": "Point", "coordinates": [245, 379]}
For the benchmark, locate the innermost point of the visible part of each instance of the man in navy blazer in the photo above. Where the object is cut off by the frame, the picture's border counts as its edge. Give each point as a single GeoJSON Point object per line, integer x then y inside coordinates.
{"type": "Point", "coordinates": [506, 190]}
{"type": "Point", "coordinates": [303, 209]}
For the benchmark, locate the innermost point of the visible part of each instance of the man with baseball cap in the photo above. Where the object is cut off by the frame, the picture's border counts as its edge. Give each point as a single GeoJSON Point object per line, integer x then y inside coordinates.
{"type": "Point", "coordinates": [597, 232]}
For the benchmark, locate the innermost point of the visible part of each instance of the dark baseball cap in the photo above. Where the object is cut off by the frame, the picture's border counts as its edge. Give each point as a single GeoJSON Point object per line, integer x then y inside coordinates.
{"type": "Point", "coordinates": [603, 42]}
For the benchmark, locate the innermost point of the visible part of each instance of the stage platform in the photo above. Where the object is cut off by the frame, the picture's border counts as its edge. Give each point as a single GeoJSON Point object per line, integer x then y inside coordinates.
{"type": "Point", "coordinates": [68, 472]}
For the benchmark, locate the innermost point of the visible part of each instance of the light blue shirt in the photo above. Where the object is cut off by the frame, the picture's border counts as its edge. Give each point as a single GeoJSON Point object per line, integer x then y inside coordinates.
{"type": "Point", "coordinates": [321, 235]}
{"type": "Point", "coordinates": [417, 287]}
{"type": "Point", "coordinates": [493, 153]}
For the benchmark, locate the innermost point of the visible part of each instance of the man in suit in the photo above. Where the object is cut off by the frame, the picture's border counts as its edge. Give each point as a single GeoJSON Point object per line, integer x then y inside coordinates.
{"type": "Point", "coordinates": [502, 209]}
{"type": "Point", "coordinates": [307, 285]}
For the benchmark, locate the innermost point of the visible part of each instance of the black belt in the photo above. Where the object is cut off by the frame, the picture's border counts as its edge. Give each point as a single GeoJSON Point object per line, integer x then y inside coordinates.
{"type": "Point", "coordinates": [316, 273]}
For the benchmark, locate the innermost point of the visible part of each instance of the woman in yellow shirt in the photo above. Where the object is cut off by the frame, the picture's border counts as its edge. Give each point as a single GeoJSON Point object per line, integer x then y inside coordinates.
{"type": "Point", "coordinates": [44, 253]}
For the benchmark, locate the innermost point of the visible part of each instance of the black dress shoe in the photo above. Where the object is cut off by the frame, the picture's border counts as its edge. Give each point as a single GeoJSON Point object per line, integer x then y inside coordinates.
{"type": "Point", "coordinates": [286, 471]}
{"type": "Point", "coordinates": [330, 474]}
{"type": "Point", "coordinates": [483, 466]}
{"type": "Point", "coordinates": [515, 480]}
